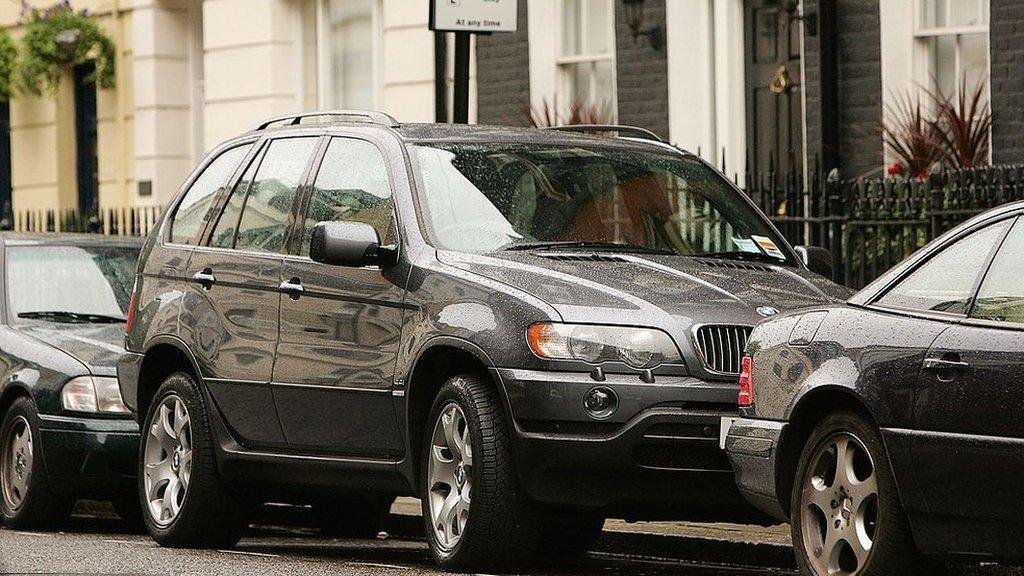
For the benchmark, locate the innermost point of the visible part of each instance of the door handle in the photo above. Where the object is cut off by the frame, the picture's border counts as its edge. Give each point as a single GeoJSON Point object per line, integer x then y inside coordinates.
{"type": "Point", "coordinates": [293, 288]}
{"type": "Point", "coordinates": [945, 364]}
{"type": "Point", "coordinates": [205, 277]}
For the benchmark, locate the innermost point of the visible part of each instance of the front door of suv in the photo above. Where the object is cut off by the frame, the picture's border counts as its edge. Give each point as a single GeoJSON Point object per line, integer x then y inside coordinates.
{"type": "Point", "coordinates": [339, 336]}
{"type": "Point", "coordinates": [235, 278]}
{"type": "Point", "coordinates": [971, 395]}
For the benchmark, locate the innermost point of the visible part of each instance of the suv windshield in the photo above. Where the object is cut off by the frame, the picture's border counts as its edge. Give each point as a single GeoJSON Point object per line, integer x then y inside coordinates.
{"type": "Point", "coordinates": [77, 284]}
{"type": "Point", "coordinates": [483, 197]}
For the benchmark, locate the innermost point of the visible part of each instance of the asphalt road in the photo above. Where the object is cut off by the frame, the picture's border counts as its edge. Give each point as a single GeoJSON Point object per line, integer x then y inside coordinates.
{"type": "Point", "coordinates": [102, 546]}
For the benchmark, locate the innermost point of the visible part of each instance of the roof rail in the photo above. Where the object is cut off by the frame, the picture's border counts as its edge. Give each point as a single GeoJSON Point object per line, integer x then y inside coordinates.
{"type": "Point", "coordinates": [634, 131]}
{"type": "Point", "coordinates": [365, 116]}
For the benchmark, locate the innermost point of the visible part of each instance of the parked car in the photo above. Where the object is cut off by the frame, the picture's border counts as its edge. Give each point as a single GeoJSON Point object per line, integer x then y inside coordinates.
{"type": "Point", "coordinates": [530, 330]}
{"type": "Point", "coordinates": [888, 426]}
{"type": "Point", "coordinates": [64, 431]}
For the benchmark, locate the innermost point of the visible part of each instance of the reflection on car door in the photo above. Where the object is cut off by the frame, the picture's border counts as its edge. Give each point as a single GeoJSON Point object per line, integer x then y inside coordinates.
{"type": "Point", "coordinates": [340, 326]}
{"type": "Point", "coordinates": [233, 302]}
{"type": "Point", "coordinates": [970, 399]}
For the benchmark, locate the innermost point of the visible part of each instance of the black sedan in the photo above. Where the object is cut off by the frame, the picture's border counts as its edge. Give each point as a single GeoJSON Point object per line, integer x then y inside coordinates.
{"type": "Point", "coordinates": [64, 431]}
{"type": "Point", "coordinates": [890, 427]}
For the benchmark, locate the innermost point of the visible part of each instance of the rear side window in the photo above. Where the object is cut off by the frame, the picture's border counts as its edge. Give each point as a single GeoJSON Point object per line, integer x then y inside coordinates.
{"type": "Point", "coordinates": [271, 194]}
{"type": "Point", "coordinates": [352, 185]}
{"type": "Point", "coordinates": [194, 210]}
{"type": "Point", "coordinates": [946, 282]}
{"type": "Point", "coordinates": [1001, 298]}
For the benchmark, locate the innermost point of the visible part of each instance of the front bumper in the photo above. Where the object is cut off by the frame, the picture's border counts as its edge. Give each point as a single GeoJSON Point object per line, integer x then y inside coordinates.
{"type": "Point", "coordinates": [753, 449]}
{"type": "Point", "coordinates": [657, 457]}
{"type": "Point", "coordinates": [89, 457]}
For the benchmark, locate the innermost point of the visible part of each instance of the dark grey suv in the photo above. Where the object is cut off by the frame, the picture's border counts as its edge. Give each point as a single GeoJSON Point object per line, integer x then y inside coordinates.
{"type": "Point", "coordinates": [529, 330]}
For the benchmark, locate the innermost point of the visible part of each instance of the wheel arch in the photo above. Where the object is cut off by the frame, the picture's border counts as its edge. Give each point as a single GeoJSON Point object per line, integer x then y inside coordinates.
{"type": "Point", "coordinates": [164, 356]}
{"type": "Point", "coordinates": [807, 412]}
{"type": "Point", "coordinates": [10, 394]}
{"type": "Point", "coordinates": [438, 360]}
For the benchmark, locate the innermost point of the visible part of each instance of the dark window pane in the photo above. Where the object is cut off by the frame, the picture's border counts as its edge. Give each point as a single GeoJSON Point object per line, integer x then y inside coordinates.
{"type": "Point", "coordinates": [271, 194]}
{"type": "Point", "coordinates": [946, 282]}
{"type": "Point", "coordinates": [192, 213]}
{"type": "Point", "coordinates": [351, 185]}
{"type": "Point", "coordinates": [1001, 297]}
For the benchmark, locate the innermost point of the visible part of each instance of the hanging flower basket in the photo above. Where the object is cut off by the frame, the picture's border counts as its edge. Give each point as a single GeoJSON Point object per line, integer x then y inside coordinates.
{"type": "Point", "coordinates": [8, 64]}
{"type": "Point", "coordinates": [58, 38]}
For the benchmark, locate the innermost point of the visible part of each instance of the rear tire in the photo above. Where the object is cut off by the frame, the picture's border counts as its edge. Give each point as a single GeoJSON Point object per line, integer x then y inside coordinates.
{"type": "Point", "coordinates": [475, 517]}
{"type": "Point", "coordinates": [846, 513]}
{"type": "Point", "coordinates": [26, 500]}
{"type": "Point", "coordinates": [353, 515]}
{"type": "Point", "coordinates": [184, 502]}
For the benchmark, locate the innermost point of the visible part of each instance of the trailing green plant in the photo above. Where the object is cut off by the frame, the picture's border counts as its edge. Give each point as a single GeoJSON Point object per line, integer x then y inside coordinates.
{"type": "Point", "coordinates": [60, 37]}
{"type": "Point", "coordinates": [8, 64]}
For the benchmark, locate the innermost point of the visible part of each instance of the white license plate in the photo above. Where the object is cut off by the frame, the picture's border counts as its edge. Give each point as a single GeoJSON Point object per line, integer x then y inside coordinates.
{"type": "Point", "coordinates": [723, 430]}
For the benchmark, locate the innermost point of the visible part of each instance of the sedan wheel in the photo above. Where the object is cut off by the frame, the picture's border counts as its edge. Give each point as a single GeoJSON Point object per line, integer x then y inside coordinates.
{"type": "Point", "coordinates": [840, 497]}
{"type": "Point", "coordinates": [16, 473]}
{"type": "Point", "coordinates": [168, 460]}
{"type": "Point", "coordinates": [450, 475]}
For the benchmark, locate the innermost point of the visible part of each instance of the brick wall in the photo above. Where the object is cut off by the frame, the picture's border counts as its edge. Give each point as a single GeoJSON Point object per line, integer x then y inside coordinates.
{"type": "Point", "coordinates": [858, 144]}
{"type": "Point", "coordinates": [1006, 41]}
{"type": "Point", "coordinates": [503, 75]}
{"type": "Point", "coordinates": [642, 72]}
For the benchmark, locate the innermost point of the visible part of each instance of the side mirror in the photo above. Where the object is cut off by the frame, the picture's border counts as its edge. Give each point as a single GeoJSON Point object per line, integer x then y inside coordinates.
{"type": "Point", "coordinates": [817, 260]}
{"type": "Point", "coordinates": [352, 244]}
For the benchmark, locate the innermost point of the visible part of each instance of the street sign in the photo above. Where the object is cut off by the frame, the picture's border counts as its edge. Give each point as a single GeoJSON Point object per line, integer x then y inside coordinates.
{"type": "Point", "coordinates": [473, 15]}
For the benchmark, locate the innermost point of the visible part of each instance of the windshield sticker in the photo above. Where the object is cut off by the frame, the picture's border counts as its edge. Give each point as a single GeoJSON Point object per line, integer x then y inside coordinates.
{"type": "Point", "coordinates": [746, 245]}
{"type": "Point", "coordinates": [769, 247]}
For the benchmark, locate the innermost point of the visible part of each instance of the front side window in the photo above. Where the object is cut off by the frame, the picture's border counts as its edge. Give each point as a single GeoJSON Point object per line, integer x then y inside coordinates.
{"type": "Point", "coordinates": [75, 284]}
{"type": "Point", "coordinates": [496, 196]}
{"type": "Point", "coordinates": [352, 185]}
{"type": "Point", "coordinates": [268, 202]}
{"type": "Point", "coordinates": [1001, 297]}
{"type": "Point", "coordinates": [586, 55]}
{"type": "Point", "coordinates": [192, 213]}
{"type": "Point", "coordinates": [946, 282]}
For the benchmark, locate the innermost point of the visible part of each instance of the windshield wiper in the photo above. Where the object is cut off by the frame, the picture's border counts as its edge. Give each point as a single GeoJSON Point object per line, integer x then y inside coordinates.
{"type": "Point", "coordinates": [582, 245]}
{"type": "Point", "coordinates": [741, 255]}
{"type": "Point", "coordinates": [72, 317]}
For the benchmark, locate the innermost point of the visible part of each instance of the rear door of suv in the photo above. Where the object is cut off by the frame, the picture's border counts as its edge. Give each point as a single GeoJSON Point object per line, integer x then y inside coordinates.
{"type": "Point", "coordinates": [235, 276]}
{"type": "Point", "coordinates": [340, 326]}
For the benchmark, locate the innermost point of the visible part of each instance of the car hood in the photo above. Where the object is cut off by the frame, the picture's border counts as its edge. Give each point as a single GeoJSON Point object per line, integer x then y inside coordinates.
{"type": "Point", "coordinates": [652, 290]}
{"type": "Point", "coordinates": [97, 346]}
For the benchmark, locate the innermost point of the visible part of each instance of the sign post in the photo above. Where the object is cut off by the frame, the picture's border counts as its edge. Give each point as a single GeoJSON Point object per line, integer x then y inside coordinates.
{"type": "Point", "coordinates": [465, 17]}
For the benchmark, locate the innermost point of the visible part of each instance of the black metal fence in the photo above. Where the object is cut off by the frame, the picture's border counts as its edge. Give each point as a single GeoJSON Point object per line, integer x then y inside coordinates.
{"type": "Point", "coordinates": [137, 221]}
{"type": "Point", "coordinates": [872, 225]}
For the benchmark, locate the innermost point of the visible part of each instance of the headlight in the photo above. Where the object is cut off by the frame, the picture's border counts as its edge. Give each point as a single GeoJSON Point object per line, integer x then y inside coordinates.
{"type": "Point", "coordinates": [637, 347]}
{"type": "Point", "coordinates": [96, 394]}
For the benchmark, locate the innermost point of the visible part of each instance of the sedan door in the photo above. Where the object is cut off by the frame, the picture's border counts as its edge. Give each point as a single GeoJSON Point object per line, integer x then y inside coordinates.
{"type": "Point", "coordinates": [233, 307]}
{"type": "Point", "coordinates": [971, 396]}
{"type": "Point", "coordinates": [340, 326]}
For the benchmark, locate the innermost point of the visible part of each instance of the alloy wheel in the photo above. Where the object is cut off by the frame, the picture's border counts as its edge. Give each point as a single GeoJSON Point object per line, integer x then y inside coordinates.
{"type": "Point", "coordinates": [168, 460]}
{"type": "Point", "coordinates": [16, 470]}
{"type": "Point", "coordinates": [450, 474]}
{"type": "Point", "coordinates": [840, 506]}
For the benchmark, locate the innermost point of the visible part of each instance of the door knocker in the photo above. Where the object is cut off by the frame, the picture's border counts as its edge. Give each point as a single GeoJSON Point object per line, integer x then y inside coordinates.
{"type": "Point", "coordinates": [780, 81]}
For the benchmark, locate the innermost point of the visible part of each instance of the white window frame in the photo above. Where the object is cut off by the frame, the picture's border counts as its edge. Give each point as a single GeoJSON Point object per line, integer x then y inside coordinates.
{"type": "Point", "coordinates": [323, 54]}
{"type": "Point", "coordinates": [565, 63]}
{"type": "Point", "coordinates": [923, 72]}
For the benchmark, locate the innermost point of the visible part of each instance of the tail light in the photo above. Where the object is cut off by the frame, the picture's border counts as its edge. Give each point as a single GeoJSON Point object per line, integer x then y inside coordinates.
{"type": "Point", "coordinates": [132, 304]}
{"type": "Point", "coordinates": [746, 395]}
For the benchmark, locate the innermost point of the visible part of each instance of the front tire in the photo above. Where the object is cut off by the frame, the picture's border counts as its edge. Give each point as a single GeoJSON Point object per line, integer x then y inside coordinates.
{"type": "Point", "coordinates": [474, 515]}
{"type": "Point", "coordinates": [26, 500]}
{"type": "Point", "coordinates": [184, 503]}
{"type": "Point", "coordinates": [846, 514]}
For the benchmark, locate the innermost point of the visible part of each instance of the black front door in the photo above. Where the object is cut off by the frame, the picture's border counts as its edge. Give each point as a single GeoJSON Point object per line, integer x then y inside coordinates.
{"type": "Point", "coordinates": [774, 85]}
{"type": "Point", "coordinates": [86, 131]}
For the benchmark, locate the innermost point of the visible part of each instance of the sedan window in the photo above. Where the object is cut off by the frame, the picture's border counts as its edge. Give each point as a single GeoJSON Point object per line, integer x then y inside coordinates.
{"type": "Point", "coordinates": [946, 282]}
{"type": "Point", "coordinates": [1001, 298]}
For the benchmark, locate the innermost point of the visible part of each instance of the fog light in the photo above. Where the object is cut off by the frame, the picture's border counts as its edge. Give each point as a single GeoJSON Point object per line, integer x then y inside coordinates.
{"type": "Point", "coordinates": [600, 402]}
